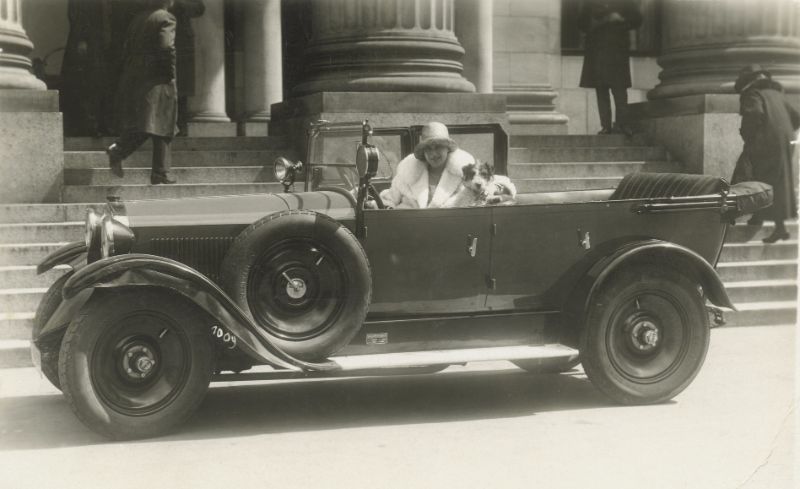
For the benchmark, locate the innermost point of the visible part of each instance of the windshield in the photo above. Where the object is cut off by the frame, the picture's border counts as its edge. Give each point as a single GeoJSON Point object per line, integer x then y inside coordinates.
{"type": "Point", "coordinates": [333, 162]}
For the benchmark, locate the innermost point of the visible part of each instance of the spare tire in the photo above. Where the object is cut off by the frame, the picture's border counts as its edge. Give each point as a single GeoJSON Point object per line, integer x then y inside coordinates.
{"type": "Point", "coordinates": [304, 278]}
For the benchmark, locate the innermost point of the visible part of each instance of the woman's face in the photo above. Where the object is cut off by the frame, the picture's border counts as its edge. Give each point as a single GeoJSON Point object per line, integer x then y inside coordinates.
{"type": "Point", "coordinates": [436, 156]}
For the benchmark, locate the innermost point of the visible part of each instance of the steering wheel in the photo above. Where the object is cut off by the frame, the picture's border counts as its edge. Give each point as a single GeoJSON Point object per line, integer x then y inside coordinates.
{"type": "Point", "coordinates": [372, 192]}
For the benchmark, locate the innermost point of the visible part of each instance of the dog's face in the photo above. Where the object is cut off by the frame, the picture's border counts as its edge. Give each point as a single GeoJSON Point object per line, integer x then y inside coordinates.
{"type": "Point", "coordinates": [477, 176]}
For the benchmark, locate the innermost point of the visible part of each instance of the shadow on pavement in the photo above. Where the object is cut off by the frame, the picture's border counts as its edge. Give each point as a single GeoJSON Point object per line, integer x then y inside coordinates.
{"type": "Point", "coordinates": [315, 405]}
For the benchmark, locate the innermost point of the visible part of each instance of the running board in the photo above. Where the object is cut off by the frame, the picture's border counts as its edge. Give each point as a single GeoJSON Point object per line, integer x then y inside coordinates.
{"type": "Point", "coordinates": [382, 363]}
{"type": "Point", "coordinates": [449, 357]}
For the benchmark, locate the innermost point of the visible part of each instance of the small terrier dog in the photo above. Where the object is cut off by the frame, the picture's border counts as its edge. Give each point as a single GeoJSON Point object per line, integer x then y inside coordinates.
{"type": "Point", "coordinates": [480, 186]}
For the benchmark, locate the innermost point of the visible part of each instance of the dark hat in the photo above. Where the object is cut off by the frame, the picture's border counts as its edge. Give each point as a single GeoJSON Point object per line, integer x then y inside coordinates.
{"type": "Point", "coordinates": [749, 74]}
{"type": "Point", "coordinates": [433, 134]}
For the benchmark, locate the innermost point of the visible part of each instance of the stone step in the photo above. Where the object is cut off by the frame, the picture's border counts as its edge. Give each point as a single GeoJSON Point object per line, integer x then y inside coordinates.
{"type": "Point", "coordinates": [26, 254]}
{"type": "Point", "coordinates": [82, 193]}
{"type": "Point", "coordinates": [762, 314]}
{"type": "Point", "coordinates": [586, 154]}
{"type": "Point", "coordinates": [742, 233]}
{"type": "Point", "coordinates": [16, 326]}
{"type": "Point", "coordinates": [98, 159]}
{"type": "Point", "coordinates": [25, 277]}
{"type": "Point", "coordinates": [587, 170]}
{"type": "Point", "coordinates": [526, 185]}
{"type": "Point", "coordinates": [762, 290]}
{"type": "Point", "coordinates": [15, 353]}
{"type": "Point", "coordinates": [49, 232]}
{"type": "Point", "coordinates": [197, 174]}
{"type": "Point", "coordinates": [186, 144]}
{"type": "Point", "coordinates": [20, 300]}
{"type": "Point", "coordinates": [27, 213]}
{"type": "Point", "coordinates": [570, 140]}
{"type": "Point", "coordinates": [757, 270]}
{"type": "Point", "coordinates": [755, 250]}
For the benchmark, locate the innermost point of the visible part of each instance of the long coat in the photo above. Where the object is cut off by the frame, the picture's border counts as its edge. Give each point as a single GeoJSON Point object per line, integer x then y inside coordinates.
{"type": "Point", "coordinates": [768, 126]}
{"type": "Point", "coordinates": [606, 61]}
{"type": "Point", "coordinates": [147, 95]}
{"type": "Point", "coordinates": [184, 11]}
{"type": "Point", "coordinates": [410, 186]}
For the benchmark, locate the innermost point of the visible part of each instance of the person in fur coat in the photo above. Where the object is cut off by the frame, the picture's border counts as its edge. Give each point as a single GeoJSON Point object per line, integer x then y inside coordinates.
{"type": "Point", "coordinates": [432, 175]}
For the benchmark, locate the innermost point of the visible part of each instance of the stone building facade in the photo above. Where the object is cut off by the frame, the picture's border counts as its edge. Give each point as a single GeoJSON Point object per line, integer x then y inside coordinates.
{"type": "Point", "coordinates": [260, 61]}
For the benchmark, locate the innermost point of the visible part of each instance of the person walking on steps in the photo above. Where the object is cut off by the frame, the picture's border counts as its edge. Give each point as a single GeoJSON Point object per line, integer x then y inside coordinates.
{"type": "Point", "coordinates": [606, 64]}
{"type": "Point", "coordinates": [769, 124]}
{"type": "Point", "coordinates": [147, 103]}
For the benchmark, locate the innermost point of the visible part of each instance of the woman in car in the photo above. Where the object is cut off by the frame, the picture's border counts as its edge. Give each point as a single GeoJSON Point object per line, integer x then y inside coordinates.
{"type": "Point", "coordinates": [431, 176]}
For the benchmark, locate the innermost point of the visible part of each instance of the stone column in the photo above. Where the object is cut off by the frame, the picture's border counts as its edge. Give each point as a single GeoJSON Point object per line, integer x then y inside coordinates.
{"type": "Point", "coordinates": [474, 28]}
{"type": "Point", "coordinates": [31, 141]}
{"type": "Point", "coordinates": [208, 102]}
{"type": "Point", "coordinates": [14, 49]}
{"type": "Point", "coordinates": [263, 63]}
{"type": "Point", "coordinates": [383, 46]}
{"type": "Point", "coordinates": [527, 63]}
{"type": "Point", "coordinates": [707, 42]}
{"type": "Point", "coordinates": [694, 111]}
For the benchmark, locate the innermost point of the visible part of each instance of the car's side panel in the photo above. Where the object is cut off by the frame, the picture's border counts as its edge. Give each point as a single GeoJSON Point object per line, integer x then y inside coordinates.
{"type": "Point", "coordinates": [539, 252]}
{"type": "Point", "coordinates": [422, 263]}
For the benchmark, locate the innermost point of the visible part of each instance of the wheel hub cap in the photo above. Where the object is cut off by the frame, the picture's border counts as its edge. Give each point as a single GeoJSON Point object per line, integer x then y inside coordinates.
{"type": "Point", "coordinates": [296, 288]}
{"type": "Point", "coordinates": [138, 361]}
{"type": "Point", "coordinates": [645, 336]}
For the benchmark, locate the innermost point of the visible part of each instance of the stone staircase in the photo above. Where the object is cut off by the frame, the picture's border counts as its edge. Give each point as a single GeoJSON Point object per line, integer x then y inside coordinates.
{"type": "Point", "coordinates": [202, 166]}
{"type": "Point", "coordinates": [553, 163]}
{"type": "Point", "coordinates": [762, 279]}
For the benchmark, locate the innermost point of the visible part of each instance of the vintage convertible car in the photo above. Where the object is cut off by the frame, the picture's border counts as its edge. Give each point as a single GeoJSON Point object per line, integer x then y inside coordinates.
{"type": "Point", "coordinates": [164, 294]}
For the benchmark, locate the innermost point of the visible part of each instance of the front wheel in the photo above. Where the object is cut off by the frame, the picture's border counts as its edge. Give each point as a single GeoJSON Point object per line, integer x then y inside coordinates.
{"type": "Point", "coordinates": [136, 363]}
{"type": "Point", "coordinates": [646, 335]}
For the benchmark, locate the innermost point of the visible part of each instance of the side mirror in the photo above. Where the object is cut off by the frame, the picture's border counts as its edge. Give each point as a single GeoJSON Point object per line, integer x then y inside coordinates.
{"type": "Point", "coordinates": [286, 171]}
{"type": "Point", "coordinates": [367, 157]}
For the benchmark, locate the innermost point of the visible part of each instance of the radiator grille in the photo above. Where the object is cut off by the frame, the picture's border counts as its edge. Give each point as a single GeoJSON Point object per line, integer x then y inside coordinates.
{"type": "Point", "coordinates": [203, 254]}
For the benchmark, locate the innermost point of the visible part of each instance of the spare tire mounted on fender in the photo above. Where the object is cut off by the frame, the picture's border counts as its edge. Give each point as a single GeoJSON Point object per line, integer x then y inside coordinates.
{"type": "Point", "coordinates": [304, 278]}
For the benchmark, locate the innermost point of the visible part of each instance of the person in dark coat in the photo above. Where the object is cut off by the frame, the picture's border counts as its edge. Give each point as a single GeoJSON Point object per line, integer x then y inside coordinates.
{"type": "Point", "coordinates": [606, 63]}
{"type": "Point", "coordinates": [184, 11]}
{"type": "Point", "coordinates": [87, 100]}
{"type": "Point", "coordinates": [147, 96]}
{"type": "Point", "coordinates": [769, 124]}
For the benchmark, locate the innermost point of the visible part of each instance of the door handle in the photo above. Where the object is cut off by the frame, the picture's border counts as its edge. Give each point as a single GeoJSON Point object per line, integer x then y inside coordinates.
{"type": "Point", "coordinates": [472, 245]}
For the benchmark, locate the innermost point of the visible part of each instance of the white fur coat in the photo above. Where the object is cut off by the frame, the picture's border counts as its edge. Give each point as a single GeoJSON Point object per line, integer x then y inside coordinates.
{"type": "Point", "coordinates": [410, 189]}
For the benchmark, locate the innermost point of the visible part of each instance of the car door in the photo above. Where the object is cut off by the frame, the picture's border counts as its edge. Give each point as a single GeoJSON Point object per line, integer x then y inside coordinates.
{"type": "Point", "coordinates": [533, 248]}
{"type": "Point", "coordinates": [428, 261]}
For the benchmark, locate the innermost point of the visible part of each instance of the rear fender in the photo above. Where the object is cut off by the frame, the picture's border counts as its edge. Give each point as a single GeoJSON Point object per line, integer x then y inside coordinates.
{"type": "Point", "coordinates": [644, 251]}
{"type": "Point", "coordinates": [73, 254]}
{"type": "Point", "coordinates": [656, 251]}
{"type": "Point", "coordinates": [138, 270]}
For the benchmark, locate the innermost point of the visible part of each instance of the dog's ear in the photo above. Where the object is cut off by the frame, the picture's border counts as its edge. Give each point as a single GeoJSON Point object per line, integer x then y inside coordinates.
{"type": "Point", "coordinates": [486, 169]}
{"type": "Point", "coordinates": [468, 171]}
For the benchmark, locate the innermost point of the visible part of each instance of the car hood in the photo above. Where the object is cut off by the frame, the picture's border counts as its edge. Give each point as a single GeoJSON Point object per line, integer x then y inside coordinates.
{"type": "Point", "coordinates": [232, 209]}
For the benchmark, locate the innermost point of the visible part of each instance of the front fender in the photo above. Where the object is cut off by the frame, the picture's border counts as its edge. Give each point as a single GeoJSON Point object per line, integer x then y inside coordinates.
{"type": "Point", "coordinates": [72, 254]}
{"type": "Point", "coordinates": [670, 254]}
{"type": "Point", "coordinates": [136, 270]}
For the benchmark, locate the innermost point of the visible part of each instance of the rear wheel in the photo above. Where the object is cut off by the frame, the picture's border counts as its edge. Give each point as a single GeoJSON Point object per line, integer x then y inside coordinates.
{"type": "Point", "coordinates": [646, 335]}
{"type": "Point", "coordinates": [136, 363]}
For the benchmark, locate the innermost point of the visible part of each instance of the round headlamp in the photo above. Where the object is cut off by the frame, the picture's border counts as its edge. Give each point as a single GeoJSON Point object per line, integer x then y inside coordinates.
{"type": "Point", "coordinates": [115, 237]}
{"type": "Point", "coordinates": [280, 169]}
{"type": "Point", "coordinates": [91, 235]}
{"type": "Point", "coordinates": [286, 170]}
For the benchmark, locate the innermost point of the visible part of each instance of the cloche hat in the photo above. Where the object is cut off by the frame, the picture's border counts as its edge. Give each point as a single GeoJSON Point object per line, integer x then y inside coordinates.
{"type": "Point", "coordinates": [433, 134]}
{"type": "Point", "coordinates": [748, 75]}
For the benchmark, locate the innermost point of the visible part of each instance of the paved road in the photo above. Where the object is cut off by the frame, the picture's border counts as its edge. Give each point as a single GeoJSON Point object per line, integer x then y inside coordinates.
{"type": "Point", "coordinates": [483, 426]}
